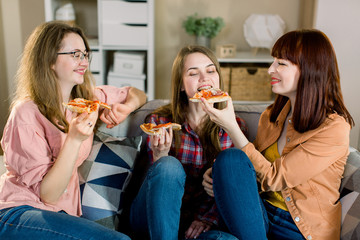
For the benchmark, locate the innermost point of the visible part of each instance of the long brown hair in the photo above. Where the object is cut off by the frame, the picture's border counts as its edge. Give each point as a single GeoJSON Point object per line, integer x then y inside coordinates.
{"type": "Point", "coordinates": [37, 81]}
{"type": "Point", "coordinates": [318, 91]}
{"type": "Point", "coordinates": [176, 110]}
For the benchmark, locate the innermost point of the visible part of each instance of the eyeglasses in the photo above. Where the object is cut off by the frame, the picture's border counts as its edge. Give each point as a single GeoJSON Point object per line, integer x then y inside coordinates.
{"type": "Point", "coordinates": [78, 55]}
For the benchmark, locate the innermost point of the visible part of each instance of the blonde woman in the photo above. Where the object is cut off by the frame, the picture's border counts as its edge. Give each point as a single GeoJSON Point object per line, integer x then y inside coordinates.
{"type": "Point", "coordinates": [44, 143]}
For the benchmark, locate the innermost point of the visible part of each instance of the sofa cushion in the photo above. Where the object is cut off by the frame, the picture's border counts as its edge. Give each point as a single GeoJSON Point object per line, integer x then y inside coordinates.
{"type": "Point", "coordinates": [251, 115]}
{"type": "Point", "coordinates": [104, 176]}
{"type": "Point", "coordinates": [350, 197]}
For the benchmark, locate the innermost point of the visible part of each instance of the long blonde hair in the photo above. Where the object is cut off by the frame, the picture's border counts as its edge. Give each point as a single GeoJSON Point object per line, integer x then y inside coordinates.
{"type": "Point", "coordinates": [179, 105]}
{"type": "Point", "coordinates": [37, 81]}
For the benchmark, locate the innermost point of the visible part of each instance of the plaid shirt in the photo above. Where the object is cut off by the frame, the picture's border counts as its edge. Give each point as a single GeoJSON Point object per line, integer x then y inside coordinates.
{"type": "Point", "coordinates": [196, 204]}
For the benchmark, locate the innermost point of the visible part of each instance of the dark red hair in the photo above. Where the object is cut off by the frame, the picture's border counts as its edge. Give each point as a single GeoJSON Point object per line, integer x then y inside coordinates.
{"type": "Point", "coordinates": [318, 91]}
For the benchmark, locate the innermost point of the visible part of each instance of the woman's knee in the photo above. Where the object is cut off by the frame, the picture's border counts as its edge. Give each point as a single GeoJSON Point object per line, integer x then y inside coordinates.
{"type": "Point", "coordinates": [232, 157]}
{"type": "Point", "coordinates": [170, 167]}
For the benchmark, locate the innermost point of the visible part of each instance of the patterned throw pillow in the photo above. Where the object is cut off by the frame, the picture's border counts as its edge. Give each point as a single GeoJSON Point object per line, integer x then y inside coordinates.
{"type": "Point", "coordinates": [104, 177]}
{"type": "Point", "coordinates": [350, 198]}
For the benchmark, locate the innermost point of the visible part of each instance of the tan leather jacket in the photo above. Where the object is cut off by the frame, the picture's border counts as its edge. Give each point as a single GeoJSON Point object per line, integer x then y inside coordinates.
{"type": "Point", "coordinates": [308, 173]}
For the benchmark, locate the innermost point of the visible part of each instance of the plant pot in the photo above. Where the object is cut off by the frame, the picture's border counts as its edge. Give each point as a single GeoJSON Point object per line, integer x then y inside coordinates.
{"type": "Point", "coordinates": [203, 41]}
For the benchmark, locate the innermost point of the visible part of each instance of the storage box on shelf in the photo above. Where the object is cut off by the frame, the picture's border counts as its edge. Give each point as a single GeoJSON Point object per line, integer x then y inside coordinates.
{"type": "Point", "coordinates": [129, 62]}
{"type": "Point", "coordinates": [122, 80]}
{"type": "Point", "coordinates": [226, 50]}
{"type": "Point", "coordinates": [118, 25]}
{"type": "Point", "coordinates": [127, 70]}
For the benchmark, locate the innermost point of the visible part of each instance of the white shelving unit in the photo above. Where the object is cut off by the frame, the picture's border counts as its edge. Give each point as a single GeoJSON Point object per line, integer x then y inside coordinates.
{"type": "Point", "coordinates": [114, 25]}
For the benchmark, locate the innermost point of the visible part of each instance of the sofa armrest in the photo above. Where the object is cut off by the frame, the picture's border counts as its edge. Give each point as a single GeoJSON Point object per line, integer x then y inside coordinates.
{"type": "Point", "coordinates": [350, 197]}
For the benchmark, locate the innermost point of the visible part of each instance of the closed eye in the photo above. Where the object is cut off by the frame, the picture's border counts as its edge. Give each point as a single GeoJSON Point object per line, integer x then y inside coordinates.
{"type": "Point", "coordinates": [211, 69]}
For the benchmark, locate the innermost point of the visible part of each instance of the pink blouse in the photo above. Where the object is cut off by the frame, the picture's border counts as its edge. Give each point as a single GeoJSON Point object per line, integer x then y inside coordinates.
{"type": "Point", "coordinates": [31, 144]}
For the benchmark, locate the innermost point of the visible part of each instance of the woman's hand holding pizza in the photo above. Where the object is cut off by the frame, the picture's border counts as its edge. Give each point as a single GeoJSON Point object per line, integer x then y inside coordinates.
{"type": "Point", "coordinates": [115, 115]}
{"type": "Point", "coordinates": [82, 125]}
{"type": "Point", "coordinates": [160, 144]}
{"type": "Point", "coordinates": [224, 118]}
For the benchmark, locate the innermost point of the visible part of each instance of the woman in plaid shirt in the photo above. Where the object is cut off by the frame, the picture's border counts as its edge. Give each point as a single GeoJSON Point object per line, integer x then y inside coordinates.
{"type": "Point", "coordinates": [172, 199]}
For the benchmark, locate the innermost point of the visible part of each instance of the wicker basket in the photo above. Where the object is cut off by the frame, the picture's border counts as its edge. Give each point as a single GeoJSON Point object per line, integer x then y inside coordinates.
{"type": "Point", "coordinates": [225, 73]}
{"type": "Point", "coordinates": [250, 84]}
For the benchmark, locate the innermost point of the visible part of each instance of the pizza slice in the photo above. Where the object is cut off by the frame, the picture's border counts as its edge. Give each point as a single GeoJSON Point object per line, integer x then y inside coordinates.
{"type": "Point", "coordinates": [80, 105]}
{"type": "Point", "coordinates": [212, 95]}
{"type": "Point", "coordinates": [153, 129]}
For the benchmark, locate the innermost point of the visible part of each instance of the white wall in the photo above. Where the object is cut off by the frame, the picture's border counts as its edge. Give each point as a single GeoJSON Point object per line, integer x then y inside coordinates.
{"type": "Point", "coordinates": [170, 36]}
{"type": "Point", "coordinates": [12, 39]}
{"type": "Point", "coordinates": [340, 20]}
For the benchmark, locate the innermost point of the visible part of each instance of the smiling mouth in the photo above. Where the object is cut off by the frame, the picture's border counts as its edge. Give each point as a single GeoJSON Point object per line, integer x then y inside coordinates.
{"type": "Point", "coordinates": [80, 71]}
{"type": "Point", "coordinates": [274, 81]}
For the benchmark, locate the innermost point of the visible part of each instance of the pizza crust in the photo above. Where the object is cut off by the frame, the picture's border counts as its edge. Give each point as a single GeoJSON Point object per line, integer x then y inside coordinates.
{"type": "Point", "coordinates": [76, 109]}
{"type": "Point", "coordinates": [154, 130]}
{"type": "Point", "coordinates": [214, 99]}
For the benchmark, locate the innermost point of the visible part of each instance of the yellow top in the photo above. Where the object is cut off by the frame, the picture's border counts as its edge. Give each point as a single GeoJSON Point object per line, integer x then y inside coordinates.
{"type": "Point", "coordinates": [274, 198]}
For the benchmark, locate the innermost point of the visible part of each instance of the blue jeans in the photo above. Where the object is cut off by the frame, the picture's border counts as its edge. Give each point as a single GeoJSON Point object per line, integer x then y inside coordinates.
{"type": "Point", "coordinates": [26, 222]}
{"type": "Point", "coordinates": [155, 212]}
{"type": "Point", "coordinates": [246, 215]}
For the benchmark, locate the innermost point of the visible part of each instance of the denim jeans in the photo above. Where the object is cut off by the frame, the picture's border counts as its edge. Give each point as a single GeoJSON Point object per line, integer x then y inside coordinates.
{"type": "Point", "coordinates": [246, 215]}
{"type": "Point", "coordinates": [26, 222]}
{"type": "Point", "coordinates": [155, 212]}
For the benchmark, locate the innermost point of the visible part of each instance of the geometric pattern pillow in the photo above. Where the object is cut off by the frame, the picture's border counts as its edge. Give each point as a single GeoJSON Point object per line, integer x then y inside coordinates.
{"type": "Point", "coordinates": [350, 198]}
{"type": "Point", "coordinates": [104, 176]}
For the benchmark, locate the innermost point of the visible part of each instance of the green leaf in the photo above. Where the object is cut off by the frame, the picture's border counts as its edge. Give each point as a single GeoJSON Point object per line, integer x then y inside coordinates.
{"type": "Point", "coordinates": [207, 26]}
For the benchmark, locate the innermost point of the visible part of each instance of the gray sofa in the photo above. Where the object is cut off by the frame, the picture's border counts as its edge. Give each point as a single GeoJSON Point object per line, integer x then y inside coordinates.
{"type": "Point", "coordinates": [350, 188]}
{"type": "Point", "coordinates": [250, 112]}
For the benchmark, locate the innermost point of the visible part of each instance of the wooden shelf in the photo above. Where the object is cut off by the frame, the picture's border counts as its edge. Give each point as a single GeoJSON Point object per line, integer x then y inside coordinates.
{"type": "Point", "coordinates": [249, 57]}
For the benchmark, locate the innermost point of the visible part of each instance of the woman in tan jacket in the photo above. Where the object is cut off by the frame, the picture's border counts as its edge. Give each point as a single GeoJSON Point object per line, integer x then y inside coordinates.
{"type": "Point", "coordinates": [298, 157]}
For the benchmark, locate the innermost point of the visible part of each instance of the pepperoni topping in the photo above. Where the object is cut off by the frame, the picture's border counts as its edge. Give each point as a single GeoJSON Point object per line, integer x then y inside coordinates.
{"type": "Point", "coordinates": [208, 93]}
{"type": "Point", "coordinates": [88, 105]}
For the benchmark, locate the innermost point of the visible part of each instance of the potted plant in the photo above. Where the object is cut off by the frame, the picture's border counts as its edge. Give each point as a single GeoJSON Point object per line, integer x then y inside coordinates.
{"type": "Point", "coordinates": [203, 28]}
